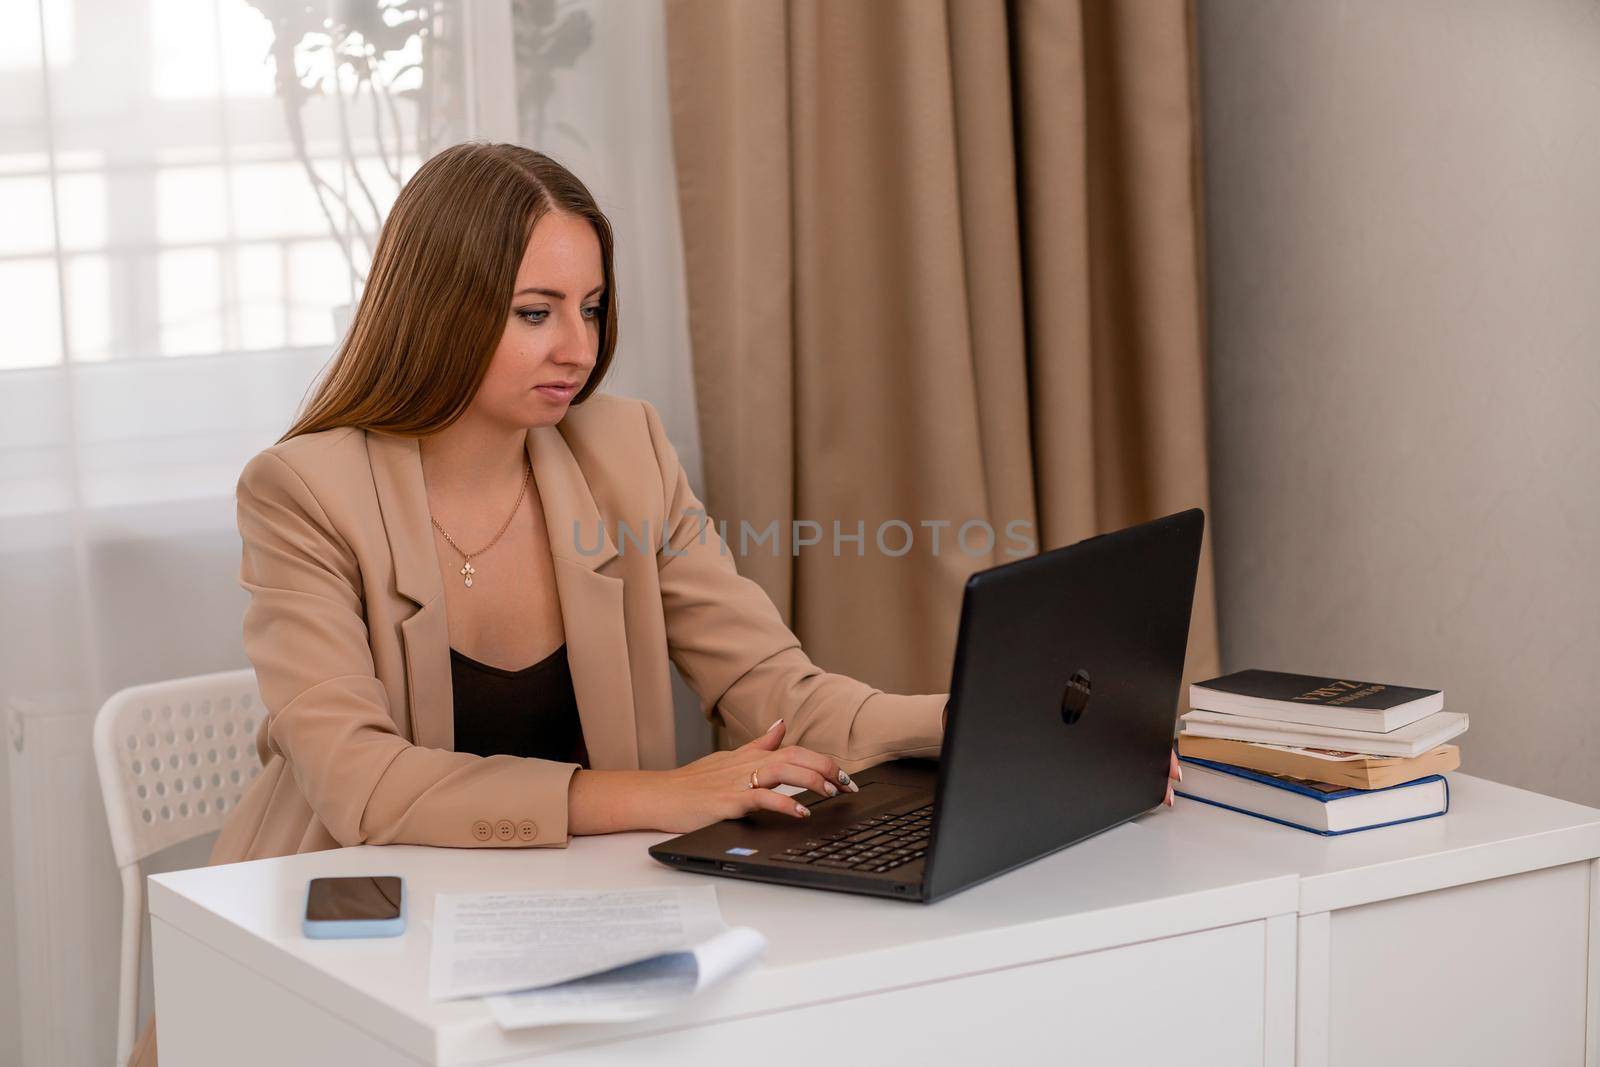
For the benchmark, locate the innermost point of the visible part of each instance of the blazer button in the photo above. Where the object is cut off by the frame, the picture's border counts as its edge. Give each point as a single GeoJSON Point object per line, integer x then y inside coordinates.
{"type": "Point", "coordinates": [527, 830]}
{"type": "Point", "coordinates": [482, 830]}
{"type": "Point", "coordinates": [504, 830]}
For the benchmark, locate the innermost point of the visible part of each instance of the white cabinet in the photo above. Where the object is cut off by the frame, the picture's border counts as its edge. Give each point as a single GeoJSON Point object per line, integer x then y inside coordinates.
{"type": "Point", "coordinates": [1413, 980]}
{"type": "Point", "coordinates": [1136, 1004]}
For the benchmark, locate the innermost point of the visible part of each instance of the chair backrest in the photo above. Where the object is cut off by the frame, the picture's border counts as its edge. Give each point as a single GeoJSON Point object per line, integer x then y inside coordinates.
{"type": "Point", "coordinates": [174, 758]}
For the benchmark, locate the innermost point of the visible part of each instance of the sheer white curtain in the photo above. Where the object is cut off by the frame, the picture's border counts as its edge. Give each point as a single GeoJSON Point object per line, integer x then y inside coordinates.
{"type": "Point", "coordinates": [592, 92]}
{"type": "Point", "coordinates": [189, 190]}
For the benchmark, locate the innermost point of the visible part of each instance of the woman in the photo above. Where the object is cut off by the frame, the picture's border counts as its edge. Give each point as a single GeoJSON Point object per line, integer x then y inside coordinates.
{"type": "Point", "coordinates": [468, 571]}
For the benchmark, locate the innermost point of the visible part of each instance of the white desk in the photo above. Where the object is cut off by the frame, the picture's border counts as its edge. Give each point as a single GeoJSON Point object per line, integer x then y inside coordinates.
{"type": "Point", "coordinates": [1192, 935]}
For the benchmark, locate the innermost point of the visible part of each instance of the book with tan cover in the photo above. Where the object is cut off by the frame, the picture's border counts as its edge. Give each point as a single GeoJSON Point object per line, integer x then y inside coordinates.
{"type": "Point", "coordinates": [1320, 765]}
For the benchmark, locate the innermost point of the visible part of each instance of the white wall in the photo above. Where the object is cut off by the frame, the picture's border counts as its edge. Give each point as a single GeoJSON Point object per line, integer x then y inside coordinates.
{"type": "Point", "coordinates": [1403, 215]}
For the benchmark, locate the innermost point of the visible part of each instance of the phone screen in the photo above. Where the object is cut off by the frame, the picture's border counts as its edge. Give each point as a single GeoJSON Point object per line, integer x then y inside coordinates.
{"type": "Point", "coordinates": [339, 899]}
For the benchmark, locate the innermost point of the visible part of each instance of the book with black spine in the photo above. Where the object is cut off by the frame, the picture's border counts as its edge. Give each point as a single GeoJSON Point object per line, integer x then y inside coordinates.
{"type": "Point", "coordinates": [1340, 703]}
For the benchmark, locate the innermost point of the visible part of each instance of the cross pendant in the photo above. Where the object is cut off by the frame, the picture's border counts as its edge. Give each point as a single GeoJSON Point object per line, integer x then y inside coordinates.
{"type": "Point", "coordinates": [467, 571]}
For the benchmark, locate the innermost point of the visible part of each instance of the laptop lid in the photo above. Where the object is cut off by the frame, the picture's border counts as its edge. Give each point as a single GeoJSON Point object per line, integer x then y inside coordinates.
{"type": "Point", "coordinates": [1063, 698]}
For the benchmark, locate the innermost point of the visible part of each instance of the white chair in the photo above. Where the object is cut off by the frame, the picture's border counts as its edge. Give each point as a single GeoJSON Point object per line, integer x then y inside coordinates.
{"type": "Point", "coordinates": [174, 758]}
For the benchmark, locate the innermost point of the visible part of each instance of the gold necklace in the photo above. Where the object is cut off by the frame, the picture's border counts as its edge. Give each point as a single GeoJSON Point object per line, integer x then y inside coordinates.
{"type": "Point", "coordinates": [467, 569]}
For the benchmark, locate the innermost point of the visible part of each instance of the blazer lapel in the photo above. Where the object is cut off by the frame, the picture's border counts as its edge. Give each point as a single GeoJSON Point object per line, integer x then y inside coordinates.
{"type": "Point", "coordinates": [403, 498]}
{"type": "Point", "coordinates": [591, 603]}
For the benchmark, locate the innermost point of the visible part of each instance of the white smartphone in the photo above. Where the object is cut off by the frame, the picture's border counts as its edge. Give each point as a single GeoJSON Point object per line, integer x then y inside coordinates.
{"type": "Point", "coordinates": [368, 906]}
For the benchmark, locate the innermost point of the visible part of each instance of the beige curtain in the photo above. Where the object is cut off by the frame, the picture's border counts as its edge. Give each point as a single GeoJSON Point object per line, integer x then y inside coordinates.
{"type": "Point", "coordinates": [944, 265]}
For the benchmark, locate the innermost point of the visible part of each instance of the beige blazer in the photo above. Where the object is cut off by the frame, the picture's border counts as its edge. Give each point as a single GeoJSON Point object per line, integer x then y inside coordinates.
{"type": "Point", "coordinates": [346, 629]}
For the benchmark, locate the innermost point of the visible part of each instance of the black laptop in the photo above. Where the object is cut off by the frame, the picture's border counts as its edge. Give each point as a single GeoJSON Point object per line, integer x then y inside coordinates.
{"type": "Point", "coordinates": [1063, 699]}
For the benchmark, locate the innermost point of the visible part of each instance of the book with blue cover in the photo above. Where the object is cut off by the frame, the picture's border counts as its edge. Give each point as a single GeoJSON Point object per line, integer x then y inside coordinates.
{"type": "Point", "coordinates": [1315, 807]}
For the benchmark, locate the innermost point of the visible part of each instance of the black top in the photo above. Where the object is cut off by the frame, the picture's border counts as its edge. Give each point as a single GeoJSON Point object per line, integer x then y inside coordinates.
{"type": "Point", "coordinates": [531, 712]}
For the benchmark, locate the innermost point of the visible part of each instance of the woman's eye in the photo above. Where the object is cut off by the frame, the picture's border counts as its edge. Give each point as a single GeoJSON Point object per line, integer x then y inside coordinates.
{"type": "Point", "coordinates": [535, 316]}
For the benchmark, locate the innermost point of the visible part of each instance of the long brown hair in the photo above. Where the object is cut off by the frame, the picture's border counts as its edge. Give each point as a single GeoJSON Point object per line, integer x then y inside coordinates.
{"type": "Point", "coordinates": [437, 298]}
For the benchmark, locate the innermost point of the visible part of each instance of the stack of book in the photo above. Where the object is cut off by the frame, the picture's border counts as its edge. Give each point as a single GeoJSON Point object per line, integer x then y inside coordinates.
{"type": "Point", "coordinates": [1326, 755]}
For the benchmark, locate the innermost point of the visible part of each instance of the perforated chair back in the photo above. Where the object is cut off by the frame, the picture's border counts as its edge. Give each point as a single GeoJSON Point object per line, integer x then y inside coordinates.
{"type": "Point", "coordinates": [174, 758]}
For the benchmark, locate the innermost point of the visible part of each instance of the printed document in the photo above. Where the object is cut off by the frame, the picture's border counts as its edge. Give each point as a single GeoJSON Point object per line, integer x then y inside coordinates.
{"type": "Point", "coordinates": [635, 991]}
{"type": "Point", "coordinates": [490, 943]}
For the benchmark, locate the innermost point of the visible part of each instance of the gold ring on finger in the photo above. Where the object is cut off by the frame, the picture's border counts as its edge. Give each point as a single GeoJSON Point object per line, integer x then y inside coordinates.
{"type": "Point", "coordinates": [753, 783]}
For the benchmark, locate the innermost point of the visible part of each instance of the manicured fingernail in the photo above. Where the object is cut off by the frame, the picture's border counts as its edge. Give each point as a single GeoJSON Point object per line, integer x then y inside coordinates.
{"type": "Point", "coordinates": [803, 811]}
{"type": "Point", "coordinates": [1180, 772]}
{"type": "Point", "coordinates": [844, 780]}
{"type": "Point", "coordinates": [831, 789]}
{"type": "Point", "coordinates": [774, 726]}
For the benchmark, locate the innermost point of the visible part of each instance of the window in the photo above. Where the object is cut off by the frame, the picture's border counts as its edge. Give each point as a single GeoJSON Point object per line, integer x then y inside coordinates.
{"type": "Point", "coordinates": [190, 191]}
{"type": "Point", "coordinates": [215, 188]}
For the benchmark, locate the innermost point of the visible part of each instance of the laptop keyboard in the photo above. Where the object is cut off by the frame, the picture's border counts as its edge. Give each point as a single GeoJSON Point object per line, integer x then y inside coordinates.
{"type": "Point", "coordinates": [878, 843]}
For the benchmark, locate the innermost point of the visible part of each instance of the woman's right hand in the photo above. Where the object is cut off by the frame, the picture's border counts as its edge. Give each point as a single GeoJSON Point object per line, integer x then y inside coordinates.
{"type": "Point", "coordinates": [718, 786]}
{"type": "Point", "coordinates": [710, 789]}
